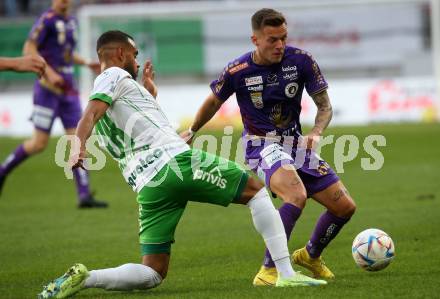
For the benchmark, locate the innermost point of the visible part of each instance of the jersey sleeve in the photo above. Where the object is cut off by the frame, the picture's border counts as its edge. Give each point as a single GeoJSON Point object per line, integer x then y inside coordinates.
{"type": "Point", "coordinates": [41, 28]}
{"type": "Point", "coordinates": [105, 84]}
{"type": "Point", "coordinates": [314, 80]}
{"type": "Point", "coordinates": [223, 86]}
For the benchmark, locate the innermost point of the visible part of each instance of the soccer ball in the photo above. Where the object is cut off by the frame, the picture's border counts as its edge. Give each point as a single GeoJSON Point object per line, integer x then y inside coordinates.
{"type": "Point", "coordinates": [373, 249]}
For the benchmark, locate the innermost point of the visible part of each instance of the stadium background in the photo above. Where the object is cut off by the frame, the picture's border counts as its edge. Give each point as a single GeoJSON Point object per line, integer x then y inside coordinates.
{"type": "Point", "coordinates": [380, 59]}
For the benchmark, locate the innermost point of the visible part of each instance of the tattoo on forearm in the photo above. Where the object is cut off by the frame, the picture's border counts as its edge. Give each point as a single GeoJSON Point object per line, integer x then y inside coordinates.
{"type": "Point", "coordinates": [325, 112]}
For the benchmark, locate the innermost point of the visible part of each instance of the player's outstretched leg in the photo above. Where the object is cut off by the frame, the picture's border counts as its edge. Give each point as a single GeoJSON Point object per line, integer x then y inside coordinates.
{"type": "Point", "coordinates": [287, 185]}
{"type": "Point", "coordinates": [267, 222]}
{"type": "Point", "coordinates": [123, 278]}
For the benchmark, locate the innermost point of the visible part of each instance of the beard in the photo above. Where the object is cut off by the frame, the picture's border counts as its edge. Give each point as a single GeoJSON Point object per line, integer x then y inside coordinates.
{"type": "Point", "coordinates": [132, 71]}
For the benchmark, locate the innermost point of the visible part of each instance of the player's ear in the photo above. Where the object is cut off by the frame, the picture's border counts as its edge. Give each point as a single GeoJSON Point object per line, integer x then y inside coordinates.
{"type": "Point", "coordinates": [254, 39]}
{"type": "Point", "coordinates": [120, 53]}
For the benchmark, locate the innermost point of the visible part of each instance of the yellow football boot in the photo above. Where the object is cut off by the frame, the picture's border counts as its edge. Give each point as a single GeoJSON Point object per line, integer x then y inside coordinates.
{"type": "Point", "coordinates": [316, 265]}
{"type": "Point", "coordinates": [266, 277]}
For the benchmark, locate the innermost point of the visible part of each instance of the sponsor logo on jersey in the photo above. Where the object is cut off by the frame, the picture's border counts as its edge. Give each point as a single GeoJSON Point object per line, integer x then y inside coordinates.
{"type": "Point", "coordinates": [257, 99]}
{"type": "Point", "coordinates": [256, 88]}
{"type": "Point", "coordinates": [291, 76]}
{"type": "Point", "coordinates": [272, 154]}
{"type": "Point", "coordinates": [218, 86]}
{"type": "Point", "coordinates": [238, 67]}
{"type": "Point", "coordinates": [272, 80]}
{"type": "Point", "coordinates": [142, 165]}
{"type": "Point", "coordinates": [291, 89]}
{"type": "Point", "coordinates": [253, 80]}
{"type": "Point", "coordinates": [213, 177]}
{"type": "Point", "coordinates": [288, 68]}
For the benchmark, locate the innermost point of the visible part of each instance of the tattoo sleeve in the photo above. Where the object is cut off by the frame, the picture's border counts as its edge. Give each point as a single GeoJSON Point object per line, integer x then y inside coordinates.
{"type": "Point", "coordinates": [325, 112]}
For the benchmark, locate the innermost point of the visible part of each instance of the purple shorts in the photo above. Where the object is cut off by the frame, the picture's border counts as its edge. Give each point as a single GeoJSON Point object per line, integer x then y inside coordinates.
{"type": "Point", "coordinates": [264, 158]}
{"type": "Point", "coordinates": [48, 105]}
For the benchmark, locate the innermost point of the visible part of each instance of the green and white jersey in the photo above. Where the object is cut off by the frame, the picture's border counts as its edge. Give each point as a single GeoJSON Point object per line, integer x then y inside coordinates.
{"type": "Point", "coordinates": [134, 130]}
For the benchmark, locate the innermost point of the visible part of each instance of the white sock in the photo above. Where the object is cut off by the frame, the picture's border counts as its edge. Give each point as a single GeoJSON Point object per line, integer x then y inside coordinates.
{"type": "Point", "coordinates": [268, 223]}
{"type": "Point", "coordinates": [124, 278]}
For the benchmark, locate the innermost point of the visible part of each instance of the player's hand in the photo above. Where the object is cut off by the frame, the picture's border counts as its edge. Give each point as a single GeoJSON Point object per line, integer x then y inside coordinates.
{"type": "Point", "coordinates": [31, 63]}
{"type": "Point", "coordinates": [94, 67]}
{"type": "Point", "coordinates": [148, 72]}
{"type": "Point", "coordinates": [187, 136]}
{"type": "Point", "coordinates": [76, 160]}
{"type": "Point", "coordinates": [54, 78]}
{"type": "Point", "coordinates": [309, 141]}
{"type": "Point", "coordinates": [148, 78]}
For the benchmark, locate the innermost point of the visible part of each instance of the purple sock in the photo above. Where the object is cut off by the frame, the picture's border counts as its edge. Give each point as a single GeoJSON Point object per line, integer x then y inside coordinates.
{"type": "Point", "coordinates": [327, 227]}
{"type": "Point", "coordinates": [13, 160]}
{"type": "Point", "coordinates": [289, 214]}
{"type": "Point", "coordinates": [82, 183]}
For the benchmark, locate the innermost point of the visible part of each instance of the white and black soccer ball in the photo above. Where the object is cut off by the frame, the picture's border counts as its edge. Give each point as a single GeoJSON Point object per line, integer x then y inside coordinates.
{"type": "Point", "coordinates": [373, 249]}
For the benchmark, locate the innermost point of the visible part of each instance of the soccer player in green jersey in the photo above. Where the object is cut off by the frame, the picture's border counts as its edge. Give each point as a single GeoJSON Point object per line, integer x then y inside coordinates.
{"type": "Point", "coordinates": [158, 164]}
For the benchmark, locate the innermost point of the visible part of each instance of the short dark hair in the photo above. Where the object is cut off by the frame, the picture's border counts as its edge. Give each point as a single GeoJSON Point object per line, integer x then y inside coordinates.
{"type": "Point", "coordinates": [111, 37]}
{"type": "Point", "coordinates": [267, 17]}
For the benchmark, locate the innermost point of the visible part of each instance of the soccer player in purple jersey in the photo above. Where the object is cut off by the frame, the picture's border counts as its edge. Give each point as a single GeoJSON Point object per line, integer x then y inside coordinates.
{"type": "Point", "coordinates": [29, 63]}
{"type": "Point", "coordinates": [53, 36]}
{"type": "Point", "coordinates": [268, 83]}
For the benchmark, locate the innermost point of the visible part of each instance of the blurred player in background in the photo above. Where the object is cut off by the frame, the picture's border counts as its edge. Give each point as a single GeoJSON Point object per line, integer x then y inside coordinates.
{"type": "Point", "coordinates": [268, 84]}
{"type": "Point", "coordinates": [165, 173]}
{"type": "Point", "coordinates": [29, 63]}
{"type": "Point", "coordinates": [53, 36]}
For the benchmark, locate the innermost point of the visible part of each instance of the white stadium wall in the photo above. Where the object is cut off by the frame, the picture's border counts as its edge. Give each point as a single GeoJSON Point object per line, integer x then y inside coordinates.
{"type": "Point", "coordinates": [355, 102]}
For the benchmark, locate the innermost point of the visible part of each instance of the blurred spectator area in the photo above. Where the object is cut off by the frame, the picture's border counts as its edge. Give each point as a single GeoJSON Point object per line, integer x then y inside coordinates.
{"type": "Point", "coordinates": [17, 8]}
{"type": "Point", "coordinates": [347, 46]}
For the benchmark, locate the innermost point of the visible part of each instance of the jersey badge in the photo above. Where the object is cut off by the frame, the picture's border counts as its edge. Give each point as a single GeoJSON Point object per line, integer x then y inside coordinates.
{"type": "Point", "coordinates": [253, 80]}
{"type": "Point", "coordinates": [257, 99]}
{"type": "Point", "coordinates": [291, 89]}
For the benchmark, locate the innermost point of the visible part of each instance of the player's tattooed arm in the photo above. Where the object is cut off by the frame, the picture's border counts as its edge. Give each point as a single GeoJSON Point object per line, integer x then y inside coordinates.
{"type": "Point", "coordinates": [325, 112]}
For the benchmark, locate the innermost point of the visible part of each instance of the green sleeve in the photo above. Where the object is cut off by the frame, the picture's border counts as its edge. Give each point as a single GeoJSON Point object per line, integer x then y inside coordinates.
{"type": "Point", "coordinates": [101, 96]}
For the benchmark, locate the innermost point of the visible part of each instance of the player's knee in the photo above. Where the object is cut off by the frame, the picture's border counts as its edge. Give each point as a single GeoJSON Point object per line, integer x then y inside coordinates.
{"type": "Point", "coordinates": [151, 280]}
{"type": "Point", "coordinates": [295, 197]}
{"type": "Point", "coordinates": [347, 210]}
{"type": "Point", "coordinates": [252, 187]}
{"type": "Point", "coordinates": [37, 146]}
{"type": "Point", "coordinates": [350, 210]}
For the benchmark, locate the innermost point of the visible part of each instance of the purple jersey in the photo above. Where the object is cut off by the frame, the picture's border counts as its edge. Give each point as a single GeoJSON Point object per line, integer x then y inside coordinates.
{"type": "Point", "coordinates": [55, 36]}
{"type": "Point", "coordinates": [269, 97]}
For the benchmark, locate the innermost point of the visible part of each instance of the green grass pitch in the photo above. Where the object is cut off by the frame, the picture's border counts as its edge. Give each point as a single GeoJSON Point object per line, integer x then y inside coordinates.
{"type": "Point", "coordinates": [217, 251]}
